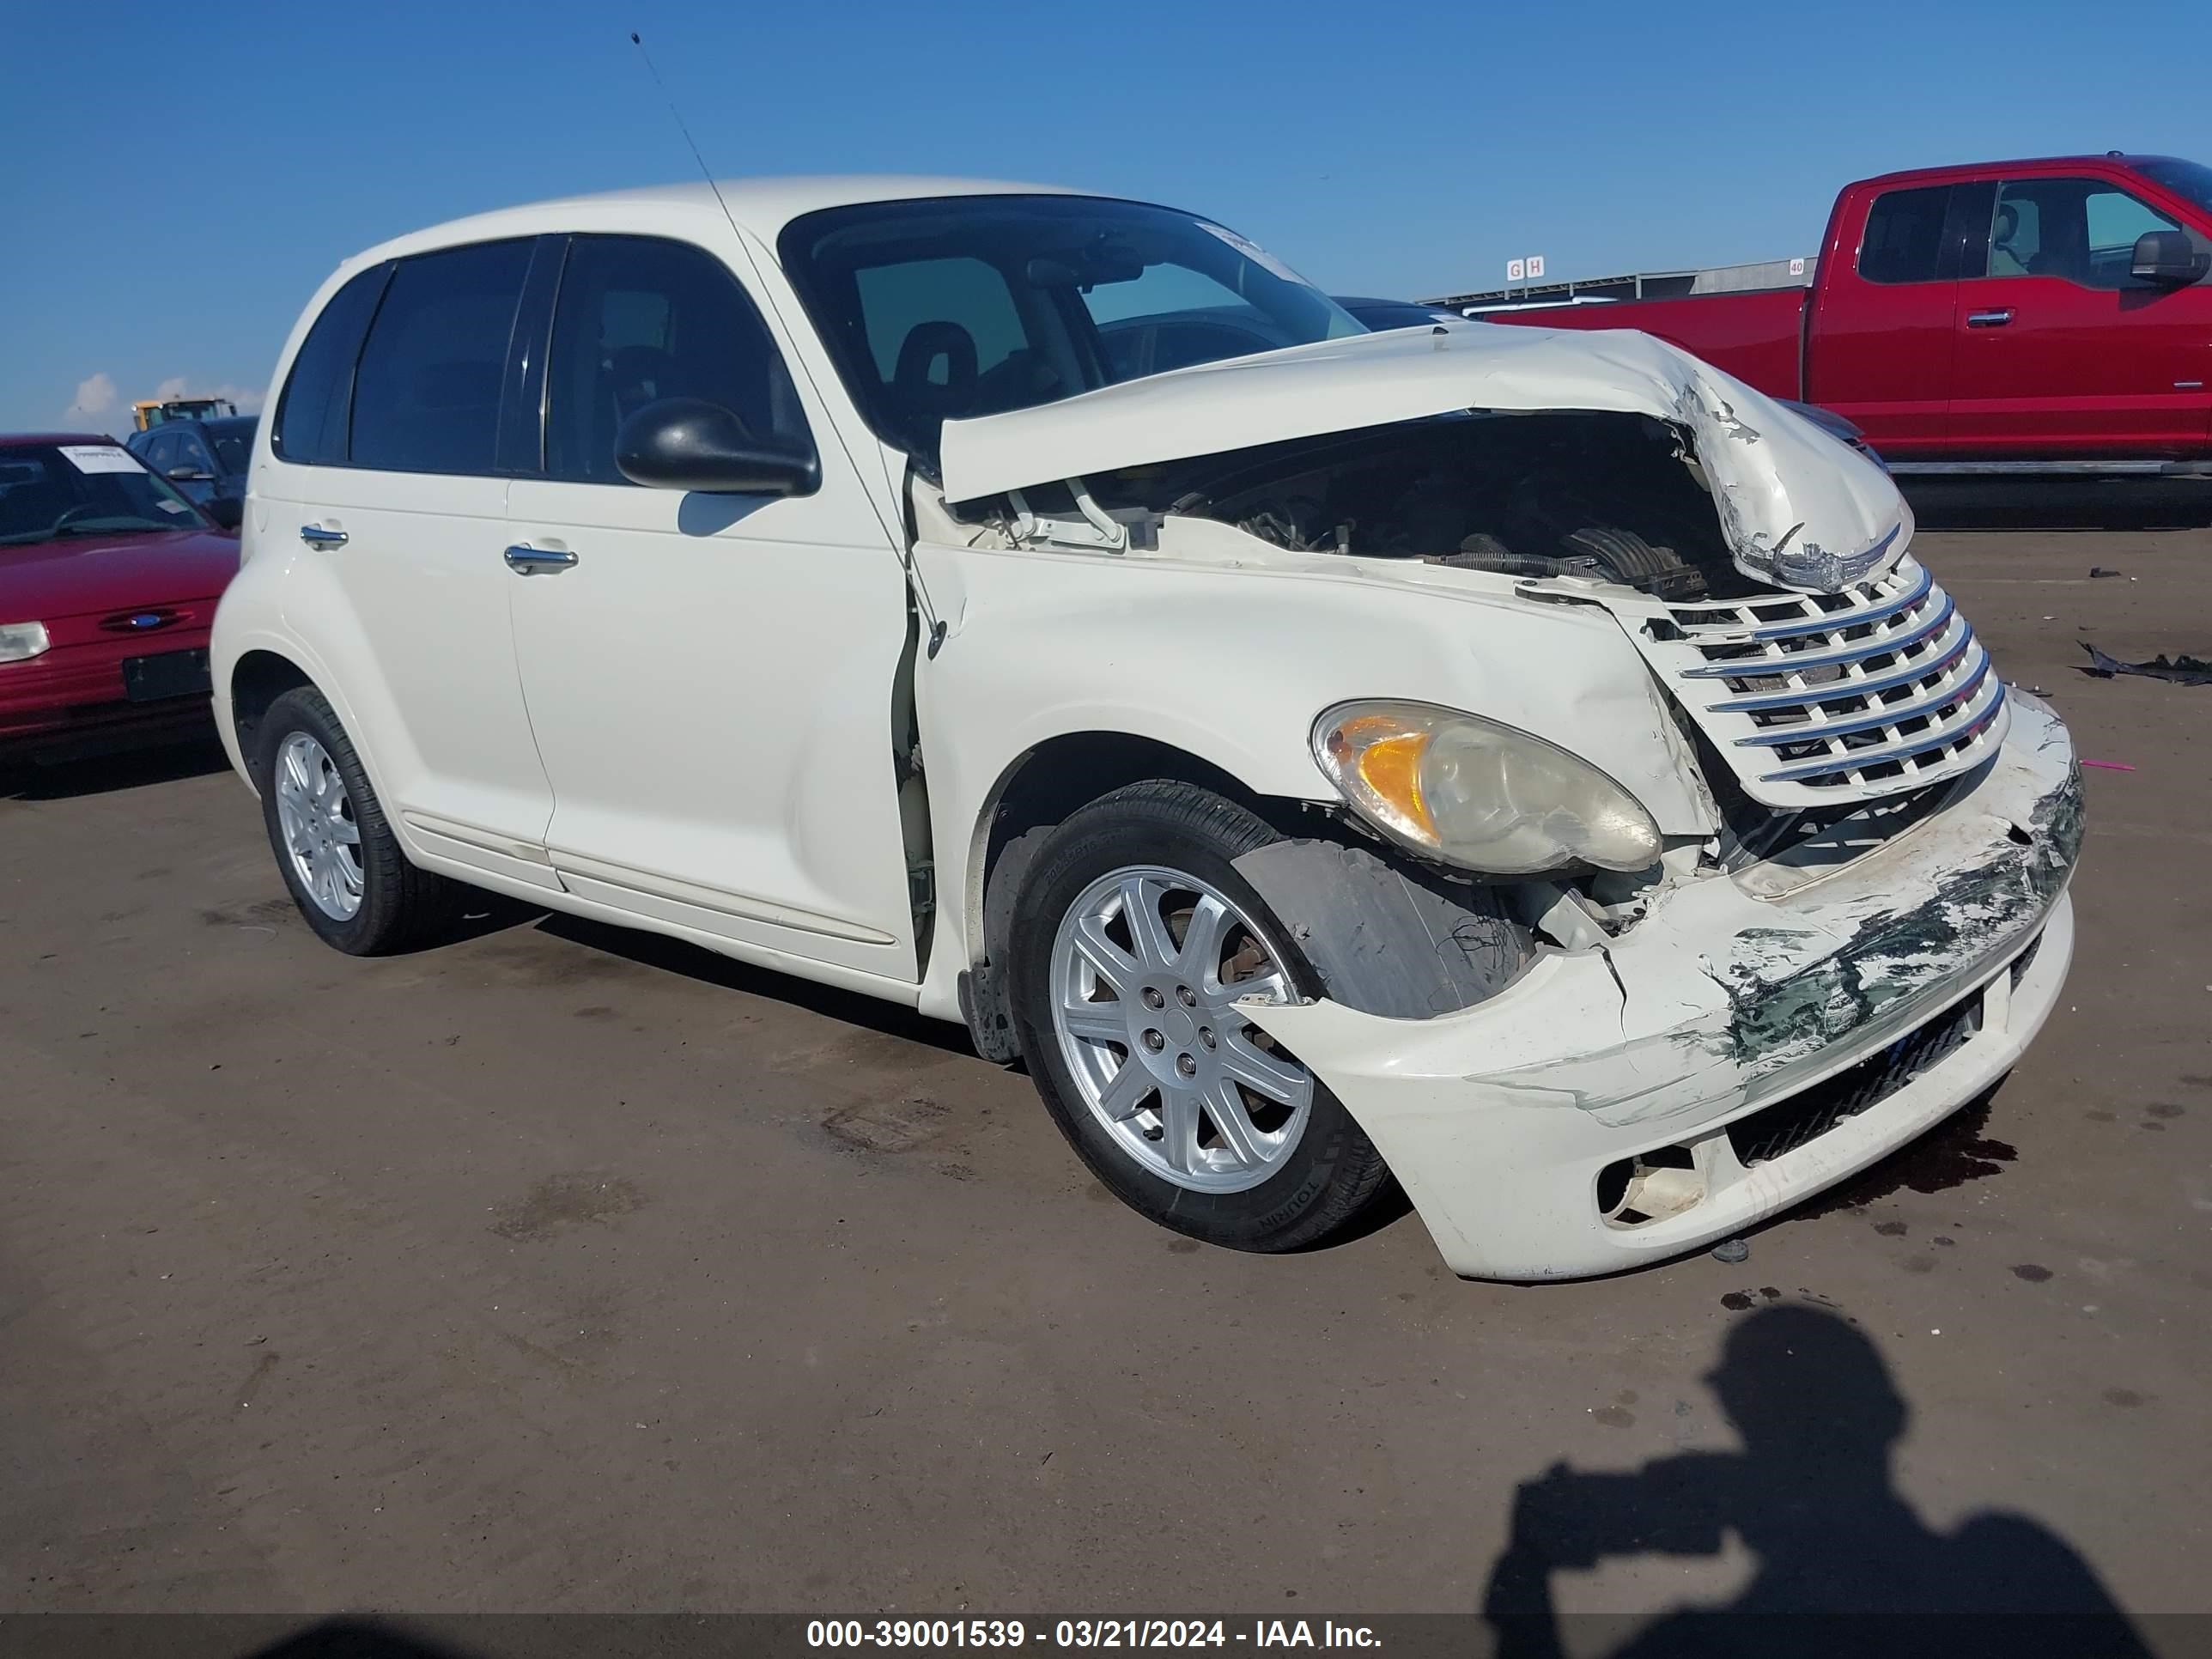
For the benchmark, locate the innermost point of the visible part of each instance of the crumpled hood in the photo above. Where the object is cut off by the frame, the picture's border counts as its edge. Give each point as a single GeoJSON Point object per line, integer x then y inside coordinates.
{"type": "Point", "coordinates": [1798, 508]}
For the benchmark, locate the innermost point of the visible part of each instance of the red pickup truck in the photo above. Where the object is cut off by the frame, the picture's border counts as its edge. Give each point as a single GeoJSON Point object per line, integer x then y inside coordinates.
{"type": "Point", "coordinates": [2051, 316]}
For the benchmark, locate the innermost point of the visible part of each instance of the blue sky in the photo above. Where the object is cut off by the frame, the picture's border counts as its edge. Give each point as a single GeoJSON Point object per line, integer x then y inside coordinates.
{"type": "Point", "coordinates": [1375, 152]}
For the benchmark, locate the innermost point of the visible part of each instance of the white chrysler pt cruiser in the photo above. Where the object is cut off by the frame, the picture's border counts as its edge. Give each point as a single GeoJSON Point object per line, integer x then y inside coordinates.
{"type": "Point", "coordinates": [1529, 767]}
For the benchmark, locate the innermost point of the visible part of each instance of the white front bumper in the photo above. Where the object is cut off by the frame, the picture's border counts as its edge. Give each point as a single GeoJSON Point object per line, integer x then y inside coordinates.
{"type": "Point", "coordinates": [1500, 1120]}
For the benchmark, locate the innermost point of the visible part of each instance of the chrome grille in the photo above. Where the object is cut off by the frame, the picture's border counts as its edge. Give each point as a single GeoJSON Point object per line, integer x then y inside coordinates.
{"type": "Point", "coordinates": [1833, 696]}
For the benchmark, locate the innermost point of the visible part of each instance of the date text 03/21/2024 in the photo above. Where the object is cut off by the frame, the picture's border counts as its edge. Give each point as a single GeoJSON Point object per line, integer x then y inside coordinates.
{"type": "Point", "coordinates": [1085, 1633]}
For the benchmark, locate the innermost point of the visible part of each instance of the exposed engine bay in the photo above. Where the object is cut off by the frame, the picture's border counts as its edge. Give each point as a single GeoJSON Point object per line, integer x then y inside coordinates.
{"type": "Point", "coordinates": [1606, 496]}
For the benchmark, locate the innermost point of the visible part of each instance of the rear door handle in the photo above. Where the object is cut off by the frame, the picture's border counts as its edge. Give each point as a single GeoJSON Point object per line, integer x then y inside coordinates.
{"type": "Point", "coordinates": [1989, 319]}
{"type": "Point", "coordinates": [527, 561]}
{"type": "Point", "coordinates": [315, 535]}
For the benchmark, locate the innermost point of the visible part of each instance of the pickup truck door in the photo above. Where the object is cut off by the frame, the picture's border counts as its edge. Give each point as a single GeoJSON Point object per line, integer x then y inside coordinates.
{"type": "Point", "coordinates": [710, 678]}
{"type": "Point", "coordinates": [1879, 348]}
{"type": "Point", "coordinates": [2060, 351]}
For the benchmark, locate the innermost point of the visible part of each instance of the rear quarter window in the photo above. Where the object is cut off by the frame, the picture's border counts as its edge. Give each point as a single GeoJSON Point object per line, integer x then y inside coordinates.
{"type": "Point", "coordinates": [1903, 239]}
{"type": "Point", "coordinates": [310, 424]}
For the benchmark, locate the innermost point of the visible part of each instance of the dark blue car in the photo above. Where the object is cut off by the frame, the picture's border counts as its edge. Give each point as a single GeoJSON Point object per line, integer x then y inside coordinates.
{"type": "Point", "coordinates": [206, 460]}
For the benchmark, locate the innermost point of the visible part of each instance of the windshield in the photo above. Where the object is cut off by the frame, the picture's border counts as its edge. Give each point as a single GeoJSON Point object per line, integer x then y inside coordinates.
{"type": "Point", "coordinates": [939, 309]}
{"type": "Point", "coordinates": [2190, 181]}
{"type": "Point", "coordinates": [1385, 315]}
{"type": "Point", "coordinates": [233, 440]}
{"type": "Point", "coordinates": [52, 490]}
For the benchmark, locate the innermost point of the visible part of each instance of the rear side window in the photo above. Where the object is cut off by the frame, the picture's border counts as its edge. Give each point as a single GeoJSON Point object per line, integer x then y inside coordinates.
{"type": "Point", "coordinates": [641, 319]}
{"type": "Point", "coordinates": [311, 412]}
{"type": "Point", "coordinates": [1904, 240]}
{"type": "Point", "coordinates": [426, 395]}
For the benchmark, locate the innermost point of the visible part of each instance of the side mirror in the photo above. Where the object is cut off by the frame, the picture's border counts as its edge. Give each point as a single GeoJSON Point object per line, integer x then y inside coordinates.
{"type": "Point", "coordinates": [2167, 258]}
{"type": "Point", "coordinates": [228, 511]}
{"type": "Point", "coordinates": [688, 443]}
{"type": "Point", "coordinates": [188, 475]}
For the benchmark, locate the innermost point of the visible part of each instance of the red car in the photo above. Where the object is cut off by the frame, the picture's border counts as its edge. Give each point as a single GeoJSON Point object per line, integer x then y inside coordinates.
{"type": "Point", "coordinates": [2019, 317]}
{"type": "Point", "coordinates": [108, 583]}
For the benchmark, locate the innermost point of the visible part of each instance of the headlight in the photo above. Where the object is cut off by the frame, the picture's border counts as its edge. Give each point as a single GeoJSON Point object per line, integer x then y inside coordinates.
{"type": "Point", "coordinates": [1478, 794]}
{"type": "Point", "coordinates": [21, 640]}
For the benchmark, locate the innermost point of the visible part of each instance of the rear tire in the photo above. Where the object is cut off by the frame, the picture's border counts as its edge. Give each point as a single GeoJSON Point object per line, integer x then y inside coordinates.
{"type": "Point", "coordinates": [334, 848]}
{"type": "Point", "coordinates": [1285, 1166]}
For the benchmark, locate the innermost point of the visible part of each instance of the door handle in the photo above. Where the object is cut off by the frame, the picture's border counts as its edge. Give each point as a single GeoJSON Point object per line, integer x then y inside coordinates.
{"type": "Point", "coordinates": [315, 535]}
{"type": "Point", "coordinates": [1989, 319]}
{"type": "Point", "coordinates": [527, 561]}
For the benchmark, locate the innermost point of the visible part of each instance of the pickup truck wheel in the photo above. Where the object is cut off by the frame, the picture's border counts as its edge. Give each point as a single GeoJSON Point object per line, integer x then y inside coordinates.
{"type": "Point", "coordinates": [337, 853]}
{"type": "Point", "coordinates": [1134, 939]}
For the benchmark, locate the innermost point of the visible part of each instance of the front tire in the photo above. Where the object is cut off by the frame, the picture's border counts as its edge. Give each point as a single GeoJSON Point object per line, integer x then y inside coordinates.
{"type": "Point", "coordinates": [1133, 936]}
{"type": "Point", "coordinates": [334, 848]}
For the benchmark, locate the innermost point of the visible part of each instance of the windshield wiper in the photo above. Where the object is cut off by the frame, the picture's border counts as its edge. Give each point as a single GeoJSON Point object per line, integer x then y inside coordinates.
{"type": "Point", "coordinates": [109, 527]}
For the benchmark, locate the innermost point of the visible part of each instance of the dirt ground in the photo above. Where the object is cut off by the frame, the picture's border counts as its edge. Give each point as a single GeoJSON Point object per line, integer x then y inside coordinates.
{"type": "Point", "coordinates": [564, 1268]}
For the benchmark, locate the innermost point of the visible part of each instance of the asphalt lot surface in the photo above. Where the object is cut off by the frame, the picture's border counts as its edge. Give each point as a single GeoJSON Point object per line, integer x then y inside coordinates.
{"type": "Point", "coordinates": [568, 1268]}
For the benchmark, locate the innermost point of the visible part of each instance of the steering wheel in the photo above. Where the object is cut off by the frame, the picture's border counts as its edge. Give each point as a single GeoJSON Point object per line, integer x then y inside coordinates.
{"type": "Point", "coordinates": [82, 510]}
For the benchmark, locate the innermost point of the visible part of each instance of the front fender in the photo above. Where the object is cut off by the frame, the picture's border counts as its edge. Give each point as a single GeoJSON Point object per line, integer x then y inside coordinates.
{"type": "Point", "coordinates": [1232, 663]}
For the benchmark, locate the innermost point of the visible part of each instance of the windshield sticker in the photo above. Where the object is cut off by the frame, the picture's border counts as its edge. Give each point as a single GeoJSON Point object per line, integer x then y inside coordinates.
{"type": "Point", "coordinates": [101, 458]}
{"type": "Point", "coordinates": [173, 507]}
{"type": "Point", "coordinates": [1258, 255]}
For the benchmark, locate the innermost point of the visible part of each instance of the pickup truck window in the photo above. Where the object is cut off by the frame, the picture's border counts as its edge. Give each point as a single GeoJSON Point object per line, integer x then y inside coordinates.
{"type": "Point", "coordinates": [2080, 230]}
{"type": "Point", "coordinates": [2189, 180]}
{"type": "Point", "coordinates": [1904, 240]}
{"type": "Point", "coordinates": [941, 308]}
{"type": "Point", "coordinates": [643, 318]}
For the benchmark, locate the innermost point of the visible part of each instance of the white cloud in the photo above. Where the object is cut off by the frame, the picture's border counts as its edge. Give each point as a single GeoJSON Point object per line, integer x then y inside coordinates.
{"type": "Point", "coordinates": [99, 402]}
{"type": "Point", "coordinates": [247, 398]}
{"type": "Point", "coordinates": [95, 395]}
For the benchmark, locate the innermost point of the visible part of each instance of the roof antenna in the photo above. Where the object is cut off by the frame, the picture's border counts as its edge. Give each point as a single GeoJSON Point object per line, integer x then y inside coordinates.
{"type": "Point", "coordinates": [705, 171]}
{"type": "Point", "coordinates": [938, 629]}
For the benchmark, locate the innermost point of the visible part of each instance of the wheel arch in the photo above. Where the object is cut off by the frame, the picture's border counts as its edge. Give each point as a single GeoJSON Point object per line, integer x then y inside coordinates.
{"type": "Point", "coordinates": [257, 658]}
{"type": "Point", "coordinates": [259, 677]}
{"type": "Point", "coordinates": [1036, 790]}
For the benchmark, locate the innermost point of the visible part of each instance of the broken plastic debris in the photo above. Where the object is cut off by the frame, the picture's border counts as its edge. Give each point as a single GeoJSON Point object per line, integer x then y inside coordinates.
{"type": "Point", "coordinates": [1732, 1250]}
{"type": "Point", "coordinates": [2111, 766]}
{"type": "Point", "coordinates": [2184, 670]}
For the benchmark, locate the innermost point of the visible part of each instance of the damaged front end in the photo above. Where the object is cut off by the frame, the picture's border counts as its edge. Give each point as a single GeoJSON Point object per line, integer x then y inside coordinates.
{"type": "Point", "coordinates": [1791, 506]}
{"type": "Point", "coordinates": [1810, 905]}
{"type": "Point", "coordinates": [1753, 1037]}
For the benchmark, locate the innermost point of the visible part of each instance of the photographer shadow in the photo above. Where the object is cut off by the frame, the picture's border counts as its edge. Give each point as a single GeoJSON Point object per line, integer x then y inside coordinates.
{"type": "Point", "coordinates": [1844, 1564]}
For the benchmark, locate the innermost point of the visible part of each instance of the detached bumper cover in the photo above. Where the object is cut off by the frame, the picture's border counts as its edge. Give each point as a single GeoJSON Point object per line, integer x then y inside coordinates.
{"type": "Point", "coordinates": [1501, 1121]}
